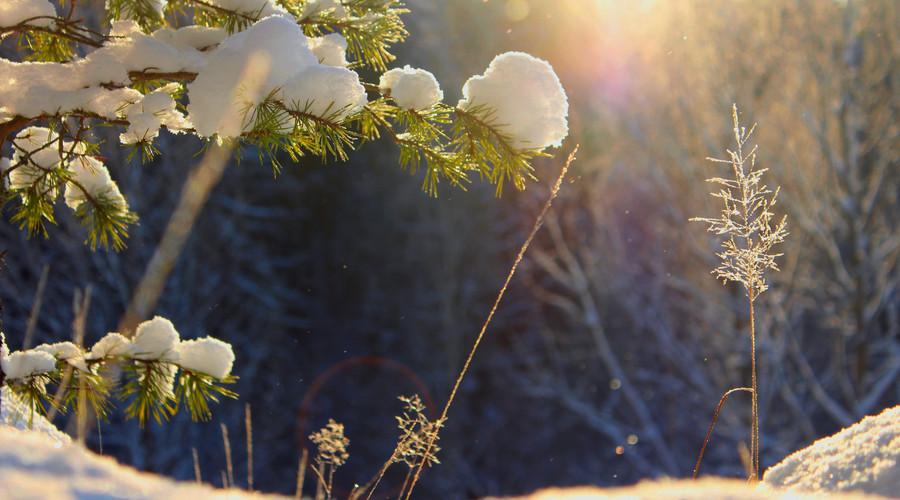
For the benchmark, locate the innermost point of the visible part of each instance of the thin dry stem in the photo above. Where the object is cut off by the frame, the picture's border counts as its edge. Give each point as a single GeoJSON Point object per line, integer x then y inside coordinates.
{"type": "Point", "coordinates": [712, 426]}
{"type": "Point", "coordinates": [301, 473]}
{"type": "Point", "coordinates": [197, 476]}
{"type": "Point", "coordinates": [554, 191]}
{"type": "Point", "coordinates": [228, 464]}
{"type": "Point", "coordinates": [248, 425]}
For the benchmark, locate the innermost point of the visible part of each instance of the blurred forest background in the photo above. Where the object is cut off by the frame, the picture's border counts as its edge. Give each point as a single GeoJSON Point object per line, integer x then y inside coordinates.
{"type": "Point", "coordinates": [343, 286]}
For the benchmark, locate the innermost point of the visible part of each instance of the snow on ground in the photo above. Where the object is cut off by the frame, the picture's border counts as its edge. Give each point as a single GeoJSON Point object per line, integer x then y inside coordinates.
{"type": "Point", "coordinates": [14, 413]}
{"type": "Point", "coordinates": [686, 489]}
{"type": "Point", "coordinates": [36, 466]}
{"type": "Point", "coordinates": [862, 457]}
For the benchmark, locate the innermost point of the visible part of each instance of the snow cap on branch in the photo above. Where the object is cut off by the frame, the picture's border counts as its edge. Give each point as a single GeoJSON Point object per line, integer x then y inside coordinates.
{"type": "Point", "coordinates": [150, 112]}
{"type": "Point", "coordinates": [324, 91]}
{"type": "Point", "coordinates": [526, 97]}
{"type": "Point", "coordinates": [208, 355]}
{"type": "Point", "coordinates": [13, 12]}
{"type": "Point", "coordinates": [193, 36]}
{"type": "Point", "coordinates": [112, 344]}
{"type": "Point", "coordinates": [65, 351]}
{"type": "Point", "coordinates": [255, 8]}
{"type": "Point", "coordinates": [91, 182]}
{"type": "Point", "coordinates": [35, 151]}
{"type": "Point", "coordinates": [330, 49]}
{"type": "Point", "coordinates": [319, 7]}
{"type": "Point", "coordinates": [155, 339]}
{"type": "Point", "coordinates": [22, 364]}
{"type": "Point", "coordinates": [411, 88]}
{"type": "Point", "coordinates": [242, 71]}
{"type": "Point", "coordinates": [133, 50]}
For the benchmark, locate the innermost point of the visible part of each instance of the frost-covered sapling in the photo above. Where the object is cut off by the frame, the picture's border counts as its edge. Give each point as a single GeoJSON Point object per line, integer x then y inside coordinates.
{"type": "Point", "coordinates": [750, 232]}
{"type": "Point", "coordinates": [154, 362]}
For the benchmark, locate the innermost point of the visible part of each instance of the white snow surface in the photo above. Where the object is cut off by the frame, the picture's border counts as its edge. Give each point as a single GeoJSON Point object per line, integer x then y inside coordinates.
{"type": "Point", "coordinates": [13, 12]}
{"type": "Point", "coordinates": [36, 466]}
{"type": "Point", "coordinates": [16, 414]}
{"type": "Point", "coordinates": [155, 339]}
{"type": "Point", "coordinates": [242, 71]}
{"type": "Point", "coordinates": [207, 355]}
{"type": "Point", "coordinates": [65, 351]}
{"type": "Point", "coordinates": [255, 8]}
{"type": "Point", "coordinates": [21, 364]}
{"type": "Point", "coordinates": [529, 103]}
{"type": "Point", "coordinates": [324, 91]}
{"type": "Point", "coordinates": [112, 344]}
{"type": "Point", "coordinates": [330, 49]}
{"type": "Point", "coordinates": [91, 179]}
{"type": "Point", "coordinates": [411, 88]}
{"type": "Point", "coordinates": [319, 7]}
{"type": "Point", "coordinates": [863, 457]}
{"type": "Point", "coordinates": [708, 488]}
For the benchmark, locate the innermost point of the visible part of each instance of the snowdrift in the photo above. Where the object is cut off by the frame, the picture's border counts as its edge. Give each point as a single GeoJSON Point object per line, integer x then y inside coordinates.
{"type": "Point", "coordinates": [859, 462]}
{"type": "Point", "coordinates": [862, 457]}
{"type": "Point", "coordinates": [34, 464]}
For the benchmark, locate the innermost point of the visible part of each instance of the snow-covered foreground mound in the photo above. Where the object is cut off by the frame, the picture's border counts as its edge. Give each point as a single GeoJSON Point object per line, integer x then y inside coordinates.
{"type": "Point", "coordinates": [14, 413]}
{"type": "Point", "coordinates": [861, 461]}
{"type": "Point", "coordinates": [862, 457]}
{"type": "Point", "coordinates": [686, 489]}
{"type": "Point", "coordinates": [33, 465]}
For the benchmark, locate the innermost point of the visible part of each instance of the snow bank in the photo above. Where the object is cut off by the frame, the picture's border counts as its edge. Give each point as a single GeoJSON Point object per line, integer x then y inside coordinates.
{"type": "Point", "coordinates": [703, 489]}
{"type": "Point", "coordinates": [14, 413]}
{"type": "Point", "coordinates": [34, 465]}
{"type": "Point", "coordinates": [863, 457]}
{"type": "Point", "coordinates": [528, 101]}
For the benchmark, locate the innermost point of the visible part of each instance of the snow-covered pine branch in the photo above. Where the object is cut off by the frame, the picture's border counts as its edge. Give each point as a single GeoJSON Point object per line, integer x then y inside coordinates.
{"type": "Point", "coordinates": [277, 76]}
{"type": "Point", "coordinates": [162, 371]}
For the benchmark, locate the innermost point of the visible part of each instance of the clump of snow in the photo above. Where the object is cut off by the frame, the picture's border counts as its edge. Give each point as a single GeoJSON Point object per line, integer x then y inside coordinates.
{"type": "Point", "coordinates": [708, 488]}
{"type": "Point", "coordinates": [35, 151]}
{"type": "Point", "coordinates": [13, 12]}
{"type": "Point", "coordinates": [254, 8]}
{"type": "Point", "coordinates": [325, 91]}
{"type": "Point", "coordinates": [16, 414]}
{"type": "Point", "coordinates": [23, 364]}
{"type": "Point", "coordinates": [207, 355]}
{"type": "Point", "coordinates": [34, 465]}
{"type": "Point", "coordinates": [65, 351]}
{"type": "Point", "coordinates": [863, 457]}
{"type": "Point", "coordinates": [147, 115]}
{"type": "Point", "coordinates": [411, 88]}
{"type": "Point", "coordinates": [112, 344]}
{"type": "Point", "coordinates": [319, 7]}
{"type": "Point", "coordinates": [526, 97]}
{"type": "Point", "coordinates": [330, 49]}
{"type": "Point", "coordinates": [242, 71]}
{"type": "Point", "coordinates": [193, 36]}
{"type": "Point", "coordinates": [91, 181]}
{"type": "Point", "coordinates": [155, 339]}
{"type": "Point", "coordinates": [133, 50]}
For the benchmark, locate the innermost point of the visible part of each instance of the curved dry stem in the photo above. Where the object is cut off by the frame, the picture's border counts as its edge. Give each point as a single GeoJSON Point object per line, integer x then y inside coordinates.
{"type": "Point", "coordinates": [712, 425]}
{"type": "Point", "coordinates": [554, 191]}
